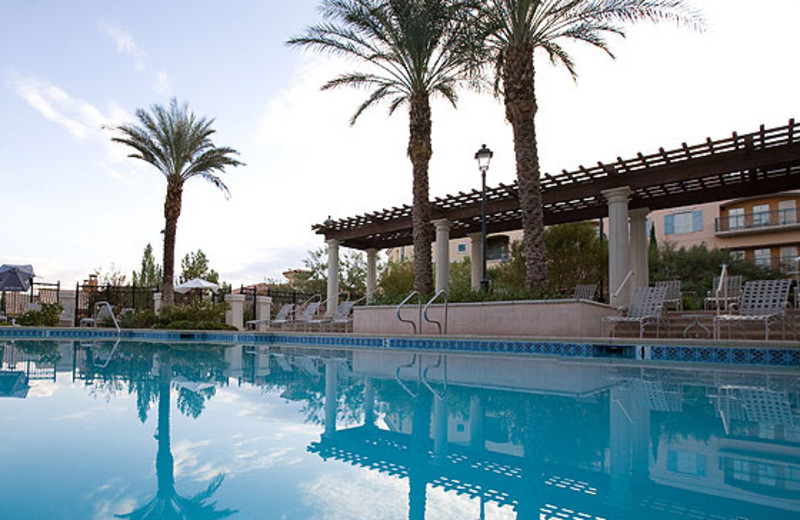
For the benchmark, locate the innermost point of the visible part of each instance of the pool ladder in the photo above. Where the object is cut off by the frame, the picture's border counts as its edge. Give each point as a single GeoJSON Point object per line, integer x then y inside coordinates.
{"type": "Point", "coordinates": [423, 311]}
{"type": "Point", "coordinates": [422, 375]}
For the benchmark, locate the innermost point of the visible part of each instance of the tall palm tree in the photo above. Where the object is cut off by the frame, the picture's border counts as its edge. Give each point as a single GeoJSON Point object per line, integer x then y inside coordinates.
{"type": "Point", "coordinates": [411, 50]}
{"type": "Point", "coordinates": [514, 29]}
{"type": "Point", "coordinates": [179, 145]}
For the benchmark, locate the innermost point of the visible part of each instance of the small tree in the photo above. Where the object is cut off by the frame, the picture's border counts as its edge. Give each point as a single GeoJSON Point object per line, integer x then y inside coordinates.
{"type": "Point", "coordinates": [150, 275]}
{"type": "Point", "coordinates": [576, 255]}
{"type": "Point", "coordinates": [195, 265]}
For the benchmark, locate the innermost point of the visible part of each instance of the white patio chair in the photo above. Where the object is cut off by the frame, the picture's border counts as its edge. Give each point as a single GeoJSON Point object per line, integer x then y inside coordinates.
{"type": "Point", "coordinates": [585, 292]}
{"type": "Point", "coordinates": [308, 314]}
{"type": "Point", "coordinates": [763, 301]}
{"type": "Point", "coordinates": [727, 296]}
{"type": "Point", "coordinates": [342, 316]}
{"type": "Point", "coordinates": [102, 311]}
{"type": "Point", "coordinates": [647, 306]}
{"type": "Point", "coordinates": [284, 317]}
{"type": "Point", "coordinates": [674, 297]}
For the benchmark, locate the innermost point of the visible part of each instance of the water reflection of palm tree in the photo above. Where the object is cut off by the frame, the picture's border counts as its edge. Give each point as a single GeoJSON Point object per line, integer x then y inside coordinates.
{"type": "Point", "coordinates": [168, 504]}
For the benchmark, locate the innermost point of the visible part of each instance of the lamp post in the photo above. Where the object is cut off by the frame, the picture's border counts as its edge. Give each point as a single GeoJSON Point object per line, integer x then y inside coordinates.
{"type": "Point", "coordinates": [483, 156]}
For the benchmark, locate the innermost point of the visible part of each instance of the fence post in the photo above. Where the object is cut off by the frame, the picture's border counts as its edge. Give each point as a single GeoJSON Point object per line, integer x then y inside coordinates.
{"type": "Point", "coordinates": [108, 292]}
{"type": "Point", "coordinates": [133, 295]}
{"type": "Point", "coordinates": [77, 301]}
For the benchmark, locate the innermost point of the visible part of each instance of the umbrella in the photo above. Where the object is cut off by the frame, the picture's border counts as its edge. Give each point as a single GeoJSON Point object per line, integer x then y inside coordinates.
{"type": "Point", "coordinates": [15, 277]}
{"type": "Point", "coordinates": [195, 283]}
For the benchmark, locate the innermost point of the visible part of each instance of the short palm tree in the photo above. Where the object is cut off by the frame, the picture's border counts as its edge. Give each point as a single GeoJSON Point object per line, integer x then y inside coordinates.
{"type": "Point", "coordinates": [179, 145]}
{"type": "Point", "coordinates": [514, 29]}
{"type": "Point", "coordinates": [412, 50]}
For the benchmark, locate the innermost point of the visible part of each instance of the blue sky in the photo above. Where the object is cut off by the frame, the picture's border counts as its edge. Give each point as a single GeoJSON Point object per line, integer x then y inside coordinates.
{"type": "Point", "coordinates": [72, 202]}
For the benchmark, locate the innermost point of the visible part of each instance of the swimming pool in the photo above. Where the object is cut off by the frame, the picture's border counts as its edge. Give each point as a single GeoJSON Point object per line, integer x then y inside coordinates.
{"type": "Point", "coordinates": [96, 429]}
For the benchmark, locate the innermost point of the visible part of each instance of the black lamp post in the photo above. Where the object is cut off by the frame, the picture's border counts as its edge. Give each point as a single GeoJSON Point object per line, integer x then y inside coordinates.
{"type": "Point", "coordinates": [483, 156]}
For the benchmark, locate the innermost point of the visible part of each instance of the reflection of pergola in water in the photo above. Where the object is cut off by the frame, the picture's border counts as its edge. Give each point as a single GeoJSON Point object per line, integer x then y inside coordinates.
{"type": "Point", "coordinates": [535, 488]}
{"type": "Point", "coordinates": [762, 162]}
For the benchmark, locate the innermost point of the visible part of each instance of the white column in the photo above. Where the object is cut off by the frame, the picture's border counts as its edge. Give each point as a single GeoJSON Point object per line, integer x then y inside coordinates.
{"type": "Point", "coordinates": [156, 302]}
{"type": "Point", "coordinates": [68, 300]}
{"type": "Point", "coordinates": [442, 254]}
{"type": "Point", "coordinates": [476, 259]}
{"type": "Point", "coordinates": [618, 242]}
{"type": "Point", "coordinates": [333, 277]}
{"type": "Point", "coordinates": [639, 262]}
{"type": "Point", "coordinates": [331, 388]}
{"type": "Point", "coordinates": [233, 361]}
{"type": "Point", "coordinates": [263, 309]}
{"type": "Point", "coordinates": [372, 274]}
{"type": "Point", "coordinates": [235, 315]}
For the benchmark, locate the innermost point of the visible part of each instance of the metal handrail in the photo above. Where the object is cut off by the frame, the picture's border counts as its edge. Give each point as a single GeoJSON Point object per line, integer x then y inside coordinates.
{"type": "Point", "coordinates": [722, 287]}
{"type": "Point", "coordinates": [428, 305]}
{"type": "Point", "coordinates": [111, 355]}
{"type": "Point", "coordinates": [98, 305]}
{"type": "Point", "coordinates": [444, 378]}
{"type": "Point", "coordinates": [419, 305]}
{"type": "Point", "coordinates": [630, 276]}
{"type": "Point", "coordinates": [400, 381]}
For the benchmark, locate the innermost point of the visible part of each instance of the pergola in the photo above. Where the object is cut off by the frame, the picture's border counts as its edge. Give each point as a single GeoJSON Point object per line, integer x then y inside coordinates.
{"type": "Point", "coordinates": [626, 190]}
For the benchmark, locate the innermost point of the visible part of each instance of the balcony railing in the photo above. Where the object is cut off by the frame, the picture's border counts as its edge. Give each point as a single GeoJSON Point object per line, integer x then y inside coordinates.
{"type": "Point", "coordinates": [786, 265]}
{"type": "Point", "coordinates": [761, 219]}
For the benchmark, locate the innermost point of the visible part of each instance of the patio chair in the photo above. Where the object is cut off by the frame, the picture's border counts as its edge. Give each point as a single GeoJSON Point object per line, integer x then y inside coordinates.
{"type": "Point", "coordinates": [674, 298]}
{"type": "Point", "coordinates": [585, 292]}
{"type": "Point", "coordinates": [102, 312]}
{"type": "Point", "coordinates": [284, 317]}
{"type": "Point", "coordinates": [763, 301]}
{"type": "Point", "coordinates": [308, 314]}
{"type": "Point", "coordinates": [647, 306]}
{"type": "Point", "coordinates": [729, 294]}
{"type": "Point", "coordinates": [342, 316]}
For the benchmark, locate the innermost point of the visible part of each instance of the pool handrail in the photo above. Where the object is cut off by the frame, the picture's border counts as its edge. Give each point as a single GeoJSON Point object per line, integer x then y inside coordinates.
{"type": "Point", "coordinates": [419, 306]}
{"type": "Point", "coordinates": [428, 305]}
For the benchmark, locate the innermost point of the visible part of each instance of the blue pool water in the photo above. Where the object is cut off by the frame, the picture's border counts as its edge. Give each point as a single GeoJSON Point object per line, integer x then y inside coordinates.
{"type": "Point", "coordinates": [90, 430]}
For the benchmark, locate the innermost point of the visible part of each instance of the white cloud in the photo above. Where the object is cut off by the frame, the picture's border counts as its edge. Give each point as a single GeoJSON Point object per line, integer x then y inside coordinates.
{"type": "Point", "coordinates": [162, 85]}
{"type": "Point", "coordinates": [125, 43]}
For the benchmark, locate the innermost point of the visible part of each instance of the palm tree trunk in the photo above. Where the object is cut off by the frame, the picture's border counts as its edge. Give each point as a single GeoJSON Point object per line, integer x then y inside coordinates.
{"type": "Point", "coordinates": [172, 210]}
{"type": "Point", "coordinates": [520, 101]}
{"type": "Point", "coordinates": [165, 473]}
{"type": "Point", "coordinates": [419, 151]}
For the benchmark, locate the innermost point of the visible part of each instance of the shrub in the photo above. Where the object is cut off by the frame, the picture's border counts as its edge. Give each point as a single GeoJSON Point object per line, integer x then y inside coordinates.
{"type": "Point", "coordinates": [48, 315]}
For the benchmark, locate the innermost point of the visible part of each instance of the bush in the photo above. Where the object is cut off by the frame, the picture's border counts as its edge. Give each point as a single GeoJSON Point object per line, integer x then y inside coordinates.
{"type": "Point", "coordinates": [48, 315]}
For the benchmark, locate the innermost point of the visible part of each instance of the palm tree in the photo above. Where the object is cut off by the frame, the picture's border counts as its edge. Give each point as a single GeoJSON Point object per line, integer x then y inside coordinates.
{"type": "Point", "coordinates": [413, 49]}
{"type": "Point", "coordinates": [179, 145]}
{"type": "Point", "coordinates": [514, 29]}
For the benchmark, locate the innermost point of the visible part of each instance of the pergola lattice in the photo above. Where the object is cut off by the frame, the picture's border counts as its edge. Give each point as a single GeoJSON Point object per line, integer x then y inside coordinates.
{"type": "Point", "coordinates": [759, 163]}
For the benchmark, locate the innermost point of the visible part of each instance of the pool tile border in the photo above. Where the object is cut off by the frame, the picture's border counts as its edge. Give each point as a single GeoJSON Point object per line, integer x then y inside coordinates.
{"type": "Point", "coordinates": [764, 356]}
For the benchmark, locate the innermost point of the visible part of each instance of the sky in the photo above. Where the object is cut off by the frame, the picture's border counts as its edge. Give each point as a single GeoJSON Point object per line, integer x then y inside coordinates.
{"type": "Point", "coordinates": [74, 203]}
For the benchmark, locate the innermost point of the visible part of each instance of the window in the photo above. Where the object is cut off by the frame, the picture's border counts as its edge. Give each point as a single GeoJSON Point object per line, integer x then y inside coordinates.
{"type": "Point", "coordinates": [683, 223]}
{"type": "Point", "coordinates": [737, 255]}
{"type": "Point", "coordinates": [687, 462]}
{"type": "Point", "coordinates": [788, 255]}
{"type": "Point", "coordinates": [736, 218]}
{"type": "Point", "coordinates": [761, 215]}
{"type": "Point", "coordinates": [462, 248]}
{"type": "Point", "coordinates": [497, 247]}
{"type": "Point", "coordinates": [762, 257]}
{"type": "Point", "coordinates": [787, 212]}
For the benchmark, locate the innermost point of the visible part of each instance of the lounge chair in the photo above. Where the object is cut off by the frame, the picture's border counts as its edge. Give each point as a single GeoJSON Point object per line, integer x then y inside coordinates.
{"type": "Point", "coordinates": [729, 294]}
{"type": "Point", "coordinates": [674, 297]}
{"type": "Point", "coordinates": [102, 312]}
{"type": "Point", "coordinates": [763, 301]}
{"type": "Point", "coordinates": [647, 306]}
{"type": "Point", "coordinates": [284, 317]}
{"type": "Point", "coordinates": [585, 292]}
{"type": "Point", "coordinates": [308, 314]}
{"type": "Point", "coordinates": [342, 316]}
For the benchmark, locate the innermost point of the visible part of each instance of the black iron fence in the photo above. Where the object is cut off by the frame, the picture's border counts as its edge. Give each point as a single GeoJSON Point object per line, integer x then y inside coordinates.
{"type": "Point", "coordinates": [120, 296]}
{"type": "Point", "coordinates": [16, 303]}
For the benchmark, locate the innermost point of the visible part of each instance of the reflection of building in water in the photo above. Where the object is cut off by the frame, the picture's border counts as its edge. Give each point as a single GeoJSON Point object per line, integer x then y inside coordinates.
{"type": "Point", "coordinates": [585, 439]}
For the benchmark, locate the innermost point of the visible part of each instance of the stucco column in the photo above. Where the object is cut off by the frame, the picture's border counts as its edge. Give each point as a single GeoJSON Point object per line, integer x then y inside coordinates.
{"type": "Point", "coordinates": [639, 262]}
{"type": "Point", "coordinates": [68, 300]}
{"type": "Point", "coordinates": [372, 274]}
{"type": "Point", "coordinates": [439, 428]}
{"type": "Point", "coordinates": [619, 444]}
{"type": "Point", "coordinates": [333, 277]}
{"type": "Point", "coordinates": [156, 302]}
{"type": "Point", "coordinates": [233, 361]}
{"type": "Point", "coordinates": [618, 242]}
{"type": "Point", "coordinates": [442, 254]}
{"type": "Point", "coordinates": [331, 399]}
{"type": "Point", "coordinates": [235, 315]}
{"type": "Point", "coordinates": [263, 309]}
{"type": "Point", "coordinates": [475, 259]}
